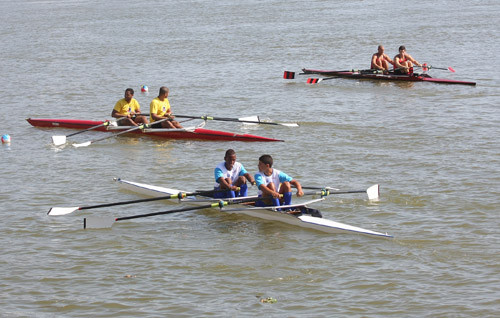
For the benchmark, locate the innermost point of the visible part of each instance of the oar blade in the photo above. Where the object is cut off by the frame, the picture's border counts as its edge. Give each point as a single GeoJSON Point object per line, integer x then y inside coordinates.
{"type": "Point", "coordinates": [58, 140]}
{"type": "Point", "coordinates": [83, 144]}
{"type": "Point", "coordinates": [97, 222]}
{"type": "Point", "coordinates": [250, 120]}
{"type": "Point", "coordinates": [288, 75]}
{"type": "Point", "coordinates": [62, 210]}
{"type": "Point", "coordinates": [314, 80]}
{"type": "Point", "coordinates": [373, 192]}
{"type": "Point", "coordinates": [289, 124]}
{"type": "Point", "coordinates": [451, 69]}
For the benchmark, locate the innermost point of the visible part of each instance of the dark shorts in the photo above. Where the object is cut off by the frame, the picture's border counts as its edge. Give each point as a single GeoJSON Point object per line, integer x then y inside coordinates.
{"type": "Point", "coordinates": [156, 125]}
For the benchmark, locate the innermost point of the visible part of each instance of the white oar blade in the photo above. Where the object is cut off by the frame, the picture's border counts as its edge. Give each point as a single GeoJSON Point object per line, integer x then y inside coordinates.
{"type": "Point", "coordinates": [59, 140]}
{"type": "Point", "coordinates": [373, 192]}
{"type": "Point", "coordinates": [62, 211]}
{"type": "Point", "coordinates": [256, 120]}
{"type": "Point", "coordinates": [289, 124]}
{"type": "Point", "coordinates": [83, 144]}
{"type": "Point", "coordinates": [98, 222]}
{"type": "Point", "coordinates": [250, 118]}
{"type": "Point", "coordinates": [332, 189]}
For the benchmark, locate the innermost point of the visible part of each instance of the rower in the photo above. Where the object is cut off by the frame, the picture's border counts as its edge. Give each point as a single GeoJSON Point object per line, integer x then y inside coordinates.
{"type": "Point", "coordinates": [274, 183]}
{"type": "Point", "coordinates": [231, 175]}
{"type": "Point", "coordinates": [128, 107]}
{"type": "Point", "coordinates": [160, 109]}
{"type": "Point", "coordinates": [380, 60]}
{"type": "Point", "coordinates": [403, 62]}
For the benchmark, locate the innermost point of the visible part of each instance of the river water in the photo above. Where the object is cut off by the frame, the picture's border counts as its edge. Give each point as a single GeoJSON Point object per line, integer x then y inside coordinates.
{"type": "Point", "coordinates": [433, 149]}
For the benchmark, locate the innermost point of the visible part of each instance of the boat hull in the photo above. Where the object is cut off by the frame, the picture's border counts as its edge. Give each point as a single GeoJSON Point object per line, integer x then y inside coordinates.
{"type": "Point", "coordinates": [385, 77]}
{"type": "Point", "coordinates": [196, 134]}
{"type": "Point", "coordinates": [305, 220]}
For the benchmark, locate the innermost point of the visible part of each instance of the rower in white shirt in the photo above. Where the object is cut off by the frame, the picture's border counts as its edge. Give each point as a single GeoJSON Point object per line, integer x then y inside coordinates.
{"type": "Point", "coordinates": [231, 175]}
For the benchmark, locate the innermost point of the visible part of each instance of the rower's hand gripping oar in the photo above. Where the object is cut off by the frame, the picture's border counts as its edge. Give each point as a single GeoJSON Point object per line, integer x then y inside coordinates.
{"type": "Point", "coordinates": [61, 140]}
{"type": "Point", "coordinates": [181, 195]}
{"type": "Point", "coordinates": [372, 192]}
{"type": "Point", "coordinates": [88, 143]}
{"type": "Point", "coordinates": [105, 222]}
{"type": "Point", "coordinates": [241, 120]}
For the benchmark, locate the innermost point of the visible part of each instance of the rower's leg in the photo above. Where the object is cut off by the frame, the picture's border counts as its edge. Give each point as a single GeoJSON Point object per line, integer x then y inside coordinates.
{"type": "Point", "coordinates": [223, 194]}
{"type": "Point", "coordinates": [241, 183]}
{"type": "Point", "coordinates": [167, 124]}
{"type": "Point", "coordinates": [286, 191]}
{"type": "Point", "coordinates": [267, 202]}
{"type": "Point", "coordinates": [287, 198]}
{"type": "Point", "coordinates": [243, 190]}
{"type": "Point", "coordinates": [139, 119]}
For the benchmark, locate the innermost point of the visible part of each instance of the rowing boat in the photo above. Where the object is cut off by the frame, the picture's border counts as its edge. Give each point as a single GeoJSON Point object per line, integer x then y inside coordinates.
{"type": "Point", "coordinates": [374, 75]}
{"type": "Point", "coordinates": [195, 133]}
{"type": "Point", "coordinates": [310, 218]}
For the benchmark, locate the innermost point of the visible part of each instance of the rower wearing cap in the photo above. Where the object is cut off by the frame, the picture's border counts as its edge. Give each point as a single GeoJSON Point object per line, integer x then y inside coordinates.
{"type": "Point", "coordinates": [274, 183]}
{"type": "Point", "coordinates": [403, 62]}
{"type": "Point", "coordinates": [231, 175]}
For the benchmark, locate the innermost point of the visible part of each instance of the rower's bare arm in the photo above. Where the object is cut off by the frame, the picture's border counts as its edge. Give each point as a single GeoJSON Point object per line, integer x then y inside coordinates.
{"type": "Point", "coordinates": [156, 117]}
{"type": "Point", "coordinates": [250, 178]}
{"type": "Point", "coordinates": [296, 184]}
{"type": "Point", "coordinates": [388, 59]}
{"type": "Point", "coordinates": [116, 114]}
{"type": "Point", "coordinates": [268, 192]}
{"type": "Point", "coordinates": [413, 60]}
{"type": "Point", "coordinates": [224, 184]}
{"type": "Point", "coordinates": [374, 61]}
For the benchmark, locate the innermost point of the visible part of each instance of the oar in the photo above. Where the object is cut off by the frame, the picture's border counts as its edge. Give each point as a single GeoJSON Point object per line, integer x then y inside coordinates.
{"type": "Point", "coordinates": [61, 140]}
{"type": "Point", "coordinates": [241, 120]}
{"type": "Point", "coordinates": [181, 195]}
{"type": "Point", "coordinates": [313, 80]}
{"type": "Point", "coordinates": [104, 222]}
{"type": "Point", "coordinates": [88, 143]}
{"type": "Point", "coordinates": [425, 66]}
{"type": "Point", "coordinates": [372, 192]}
